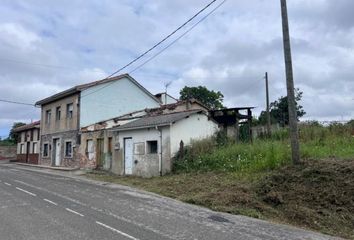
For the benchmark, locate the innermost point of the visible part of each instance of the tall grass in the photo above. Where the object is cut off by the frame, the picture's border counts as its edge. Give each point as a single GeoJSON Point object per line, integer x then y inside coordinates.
{"type": "Point", "coordinates": [265, 154]}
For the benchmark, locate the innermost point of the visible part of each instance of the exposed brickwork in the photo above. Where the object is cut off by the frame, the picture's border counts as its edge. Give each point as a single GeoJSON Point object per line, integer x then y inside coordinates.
{"type": "Point", "coordinates": [72, 136]}
{"type": "Point", "coordinates": [32, 158]}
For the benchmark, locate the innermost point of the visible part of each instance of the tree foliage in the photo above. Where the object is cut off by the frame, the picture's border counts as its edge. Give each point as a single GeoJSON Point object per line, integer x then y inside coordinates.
{"type": "Point", "coordinates": [13, 136]}
{"type": "Point", "coordinates": [279, 112]}
{"type": "Point", "coordinates": [209, 98]}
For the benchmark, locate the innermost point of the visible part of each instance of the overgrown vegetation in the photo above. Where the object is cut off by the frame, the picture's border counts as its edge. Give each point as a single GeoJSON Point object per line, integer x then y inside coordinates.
{"type": "Point", "coordinates": [257, 180]}
{"type": "Point", "coordinates": [218, 154]}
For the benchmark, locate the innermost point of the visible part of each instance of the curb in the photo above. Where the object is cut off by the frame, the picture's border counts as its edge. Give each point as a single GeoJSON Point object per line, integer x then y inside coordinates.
{"type": "Point", "coordinates": [49, 167]}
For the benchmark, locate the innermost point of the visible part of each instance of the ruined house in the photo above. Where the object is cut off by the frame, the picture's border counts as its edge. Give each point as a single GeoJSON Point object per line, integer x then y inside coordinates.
{"type": "Point", "coordinates": [95, 154]}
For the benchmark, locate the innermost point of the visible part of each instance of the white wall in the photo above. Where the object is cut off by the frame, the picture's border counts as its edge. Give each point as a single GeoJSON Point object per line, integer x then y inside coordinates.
{"type": "Point", "coordinates": [119, 98]}
{"type": "Point", "coordinates": [167, 97]}
{"type": "Point", "coordinates": [196, 127]}
{"type": "Point", "coordinates": [148, 164]}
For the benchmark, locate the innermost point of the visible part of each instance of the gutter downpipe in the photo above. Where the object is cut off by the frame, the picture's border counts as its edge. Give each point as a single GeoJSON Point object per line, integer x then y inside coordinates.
{"type": "Point", "coordinates": [160, 157]}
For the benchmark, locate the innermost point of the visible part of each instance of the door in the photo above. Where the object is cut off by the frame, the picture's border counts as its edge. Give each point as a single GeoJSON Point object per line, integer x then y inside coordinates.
{"type": "Point", "coordinates": [90, 150]}
{"type": "Point", "coordinates": [56, 144]}
{"type": "Point", "coordinates": [128, 156]}
{"type": "Point", "coordinates": [99, 153]}
{"type": "Point", "coordinates": [28, 151]}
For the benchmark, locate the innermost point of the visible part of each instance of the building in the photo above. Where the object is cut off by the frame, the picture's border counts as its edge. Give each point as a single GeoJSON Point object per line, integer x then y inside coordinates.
{"type": "Point", "coordinates": [63, 114]}
{"type": "Point", "coordinates": [146, 146]}
{"type": "Point", "coordinates": [97, 140]}
{"type": "Point", "coordinates": [28, 143]}
{"type": "Point", "coordinates": [165, 98]}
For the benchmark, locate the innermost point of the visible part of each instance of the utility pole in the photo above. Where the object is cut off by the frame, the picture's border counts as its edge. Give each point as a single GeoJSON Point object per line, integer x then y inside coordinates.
{"type": "Point", "coordinates": [294, 135]}
{"type": "Point", "coordinates": [267, 97]}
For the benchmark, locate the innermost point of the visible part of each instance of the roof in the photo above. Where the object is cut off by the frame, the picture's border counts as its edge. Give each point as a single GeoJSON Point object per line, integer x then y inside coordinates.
{"type": "Point", "coordinates": [178, 103]}
{"type": "Point", "coordinates": [82, 87]}
{"type": "Point", "coordinates": [158, 120]}
{"type": "Point", "coordinates": [159, 95]}
{"type": "Point", "coordinates": [33, 125]}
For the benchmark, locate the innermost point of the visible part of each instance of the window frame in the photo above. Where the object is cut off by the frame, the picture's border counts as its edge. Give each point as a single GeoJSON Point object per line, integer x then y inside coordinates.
{"type": "Point", "coordinates": [69, 113]}
{"type": "Point", "coordinates": [66, 148]}
{"type": "Point", "coordinates": [22, 146]}
{"type": "Point", "coordinates": [58, 113]}
{"type": "Point", "coordinates": [48, 116]}
{"type": "Point", "coordinates": [35, 147]}
{"type": "Point", "coordinates": [43, 153]}
{"type": "Point", "coordinates": [149, 147]}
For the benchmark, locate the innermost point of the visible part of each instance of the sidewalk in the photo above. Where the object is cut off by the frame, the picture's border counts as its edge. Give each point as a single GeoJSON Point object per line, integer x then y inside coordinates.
{"type": "Point", "coordinates": [48, 167]}
{"type": "Point", "coordinates": [59, 171]}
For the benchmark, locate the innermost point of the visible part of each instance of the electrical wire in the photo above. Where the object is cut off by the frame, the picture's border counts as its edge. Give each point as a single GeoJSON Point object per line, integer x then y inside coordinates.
{"type": "Point", "coordinates": [42, 65]}
{"type": "Point", "coordinates": [152, 48]}
{"type": "Point", "coordinates": [14, 102]}
{"type": "Point", "coordinates": [181, 36]}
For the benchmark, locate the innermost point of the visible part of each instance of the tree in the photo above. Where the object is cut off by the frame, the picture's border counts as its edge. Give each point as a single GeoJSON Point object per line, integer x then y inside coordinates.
{"type": "Point", "coordinates": [279, 110]}
{"type": "Point", "coordinates": [13, 136]}
{"type": "Point", "coordinates": [211, 99]}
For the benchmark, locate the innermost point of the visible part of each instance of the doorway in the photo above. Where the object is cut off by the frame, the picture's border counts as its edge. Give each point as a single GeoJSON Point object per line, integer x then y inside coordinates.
{"type": "Point", "coordinates": [28, 151]}
{"type": "Point", "coordinates": [56, 151]}
{"type": "Point", "coordinates": [99, 153]}
{"type": "Point", "coordinates": [128, 156]}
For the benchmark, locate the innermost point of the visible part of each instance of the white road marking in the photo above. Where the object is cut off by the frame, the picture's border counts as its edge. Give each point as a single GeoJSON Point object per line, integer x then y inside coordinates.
{"type": "Point", "coordinates": [8, 184]}
{"type": "Point", "coordinates": [72, 211]}
{"type": "Point", "coordinates": [117, 231]}
{"type": "Point", "coordinates": [19, 181]}
{"type": "Point", "coordinates": [51, 202]}
{"type": "Point", "coordinates": [33, 194]}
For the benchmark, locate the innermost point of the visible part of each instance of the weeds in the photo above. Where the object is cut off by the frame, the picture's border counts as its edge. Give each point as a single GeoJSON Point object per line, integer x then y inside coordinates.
{"type": "Point", "coordinates": [219, 154]}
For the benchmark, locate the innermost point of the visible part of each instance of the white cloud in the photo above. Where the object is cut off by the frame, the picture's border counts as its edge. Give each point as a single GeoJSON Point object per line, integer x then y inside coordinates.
{"type": "Point", "coordinates": [81, 41]}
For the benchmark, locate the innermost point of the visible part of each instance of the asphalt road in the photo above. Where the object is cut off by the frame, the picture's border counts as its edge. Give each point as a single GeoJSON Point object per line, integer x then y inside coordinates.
{"type": "Point", "coordinates": [38, 205]}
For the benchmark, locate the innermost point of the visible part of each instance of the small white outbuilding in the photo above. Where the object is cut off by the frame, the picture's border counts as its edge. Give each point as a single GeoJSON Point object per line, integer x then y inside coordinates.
{"type": "Point", "coordinates": [145, 147]}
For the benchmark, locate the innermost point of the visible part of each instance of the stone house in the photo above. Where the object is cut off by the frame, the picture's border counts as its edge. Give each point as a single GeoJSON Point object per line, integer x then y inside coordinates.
{"type": "Point", "coordinates": [64, 113]}
{"type": "Point", "coordinates": [28, 143]}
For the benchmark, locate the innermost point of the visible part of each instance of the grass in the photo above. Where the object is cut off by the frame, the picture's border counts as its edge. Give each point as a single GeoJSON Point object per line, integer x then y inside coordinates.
{"type": "Point", "coordinates": [316, 142]}
{"type": "Point", "coordinates": [257, 180]}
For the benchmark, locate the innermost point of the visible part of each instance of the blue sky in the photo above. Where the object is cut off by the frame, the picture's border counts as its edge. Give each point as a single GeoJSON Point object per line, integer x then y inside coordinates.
{"type": "Point", "coordinates": [82, 41]}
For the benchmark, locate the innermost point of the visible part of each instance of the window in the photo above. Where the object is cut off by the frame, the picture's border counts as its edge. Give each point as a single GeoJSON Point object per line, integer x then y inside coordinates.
{"type": "Point", "coordinates": [89, 149]}
{"type": "Point", "coordinates": [35, 150]}
{"type": "Point", "coordinates": [69, 110]}
{"type": "Point", "coordinates": [48, 116]}
{"type": "Point", "coordinates": [151, 146]}
{"type": "Point", "coordinates": [22, 146]}
{"type": "Point", "coordinates": [68, 149]}
{"type": "Point", "coordinates": [45, 150]}
{"type": "Point", "coordinates": [57, 113]}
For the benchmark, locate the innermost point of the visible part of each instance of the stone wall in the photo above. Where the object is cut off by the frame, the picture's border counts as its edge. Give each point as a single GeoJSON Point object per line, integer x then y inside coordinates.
{"type": "Point", "coordinates": [7, 152]}
{"type": "Point", "coordinates": [63, 137]}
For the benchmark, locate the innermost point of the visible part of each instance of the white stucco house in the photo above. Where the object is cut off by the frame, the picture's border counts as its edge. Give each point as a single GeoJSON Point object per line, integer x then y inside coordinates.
{"type": "Point", "coordinates": [146, 146]}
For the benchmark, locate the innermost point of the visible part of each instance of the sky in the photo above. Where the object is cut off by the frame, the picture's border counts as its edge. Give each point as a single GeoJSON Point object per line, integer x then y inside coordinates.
{"type": "Point", "coordinates": [49, 46]}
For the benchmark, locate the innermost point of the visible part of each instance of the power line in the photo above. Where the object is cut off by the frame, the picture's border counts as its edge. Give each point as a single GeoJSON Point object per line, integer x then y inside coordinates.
{"type": "Point", "coordinates": [176, 40]}
{"type": "Point", "coordinates": [42, 65]}
{"type": "Point", "coordinates": [14, 102]}
{"type": "Point", "coordinates": [156, 45]}
{"type": "Point", "coordinates": [163, 40]}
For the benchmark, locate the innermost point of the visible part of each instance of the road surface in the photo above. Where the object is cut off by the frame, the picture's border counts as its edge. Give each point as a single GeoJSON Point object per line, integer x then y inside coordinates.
{"type": "Point", "coordinates": [38, 205]}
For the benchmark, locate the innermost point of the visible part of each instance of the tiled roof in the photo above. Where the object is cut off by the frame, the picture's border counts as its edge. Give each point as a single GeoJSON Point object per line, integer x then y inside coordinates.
{"type": "Point", "coordinates": [35, 124]}
{"type": "Point", "coordinates": [158, 120]}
